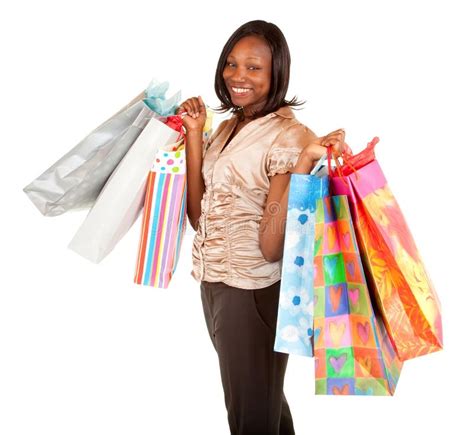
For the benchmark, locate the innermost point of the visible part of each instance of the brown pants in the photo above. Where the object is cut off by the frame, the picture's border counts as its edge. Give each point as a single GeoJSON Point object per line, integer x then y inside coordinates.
{"type": "Point", "coordinates": [242, 324]}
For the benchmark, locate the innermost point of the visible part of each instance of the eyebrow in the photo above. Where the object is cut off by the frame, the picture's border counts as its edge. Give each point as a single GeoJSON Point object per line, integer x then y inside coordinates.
{"type": "Point", "coordinates": [251, 57]}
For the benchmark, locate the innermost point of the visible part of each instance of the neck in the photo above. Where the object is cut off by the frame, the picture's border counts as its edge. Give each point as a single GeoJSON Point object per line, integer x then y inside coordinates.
{"type": "Point", "coordinates": [248, 113]}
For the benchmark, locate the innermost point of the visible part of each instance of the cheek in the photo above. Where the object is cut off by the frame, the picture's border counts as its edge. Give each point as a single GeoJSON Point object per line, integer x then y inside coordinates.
{"type": "Point", "coordinates": [269, 78]}
{"type": "Point", "coordinates": [265, 83]}
{"type": "Point", "coordinates": [225, 74]}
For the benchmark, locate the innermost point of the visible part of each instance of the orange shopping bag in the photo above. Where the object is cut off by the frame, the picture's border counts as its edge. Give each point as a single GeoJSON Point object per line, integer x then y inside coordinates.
{"type": "Point", "coordinates": [394, 268]}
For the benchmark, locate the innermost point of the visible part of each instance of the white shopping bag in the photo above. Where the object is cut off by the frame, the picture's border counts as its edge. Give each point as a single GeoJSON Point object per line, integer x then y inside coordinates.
{"type": "Point", "coordinates": [121, 200]}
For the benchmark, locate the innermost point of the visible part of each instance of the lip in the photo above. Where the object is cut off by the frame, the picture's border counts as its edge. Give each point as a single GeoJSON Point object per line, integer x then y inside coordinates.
{"type": "Point", "coordinates": [236, 94]}
{"type": "Point", "coordinates": [239, 86]}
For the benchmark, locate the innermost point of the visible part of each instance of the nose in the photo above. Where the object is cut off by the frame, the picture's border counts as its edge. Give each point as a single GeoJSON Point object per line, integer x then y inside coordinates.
{"type": "Point", "coordinates": [239, 74]}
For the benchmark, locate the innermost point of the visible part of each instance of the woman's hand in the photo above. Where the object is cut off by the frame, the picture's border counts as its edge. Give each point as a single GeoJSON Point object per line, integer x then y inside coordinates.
{"type": "Point", "coordinates": [195, 119]}
{"type": "Point", "coordinates": [312, 152]}
{"type": "Point", "coordinates": [335, 139]}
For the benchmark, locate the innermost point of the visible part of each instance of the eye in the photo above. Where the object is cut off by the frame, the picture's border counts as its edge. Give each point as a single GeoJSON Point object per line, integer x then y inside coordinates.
{"type": "Point", "coordinates": [230, 64]}
{"type": "Point", "coordinates": [253, 67]}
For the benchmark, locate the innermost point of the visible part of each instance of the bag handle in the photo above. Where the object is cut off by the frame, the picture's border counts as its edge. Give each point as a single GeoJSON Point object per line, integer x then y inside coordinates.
{"type": "Point", "coordinates": [339, 167]}
{"type": "Point", "coordinates": [351, 163]}
{"type": "Point", "coordinates": [354, 162]}
{"type": "Point", "coordinates": [327, 157]}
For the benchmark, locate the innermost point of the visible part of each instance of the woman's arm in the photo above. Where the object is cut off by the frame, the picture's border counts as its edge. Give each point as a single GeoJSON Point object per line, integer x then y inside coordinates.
{"type": "Point", "coordinates": [195, 182]}
{"type": "Point", "coordinates": [194, 123]}
{"type": "Point", "coordinates": [272, 225]}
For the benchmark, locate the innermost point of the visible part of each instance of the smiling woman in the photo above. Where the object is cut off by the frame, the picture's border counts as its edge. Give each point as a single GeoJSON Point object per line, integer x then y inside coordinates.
{"type": "Point", "coordinates": [247, 74]}
{"type": "Point", "coordinates": [256, 57]}
{"type": "Point", "coordinates": [237, 202]}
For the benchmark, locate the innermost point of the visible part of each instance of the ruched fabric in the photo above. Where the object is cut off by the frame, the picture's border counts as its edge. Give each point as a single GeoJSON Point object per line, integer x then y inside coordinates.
{"type": "Point", "coordinates": [237, 181]}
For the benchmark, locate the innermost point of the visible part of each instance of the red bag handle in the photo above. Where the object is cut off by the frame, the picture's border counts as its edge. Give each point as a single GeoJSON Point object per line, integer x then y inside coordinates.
{"type": "Point", "coordinates": [357, 161]}
{"type": "Point", "coordinates": [351, 163]}
{"type": "Point", "coordinates": [176, 123]}
{"type": "Point", "coordinates": [346, 155]}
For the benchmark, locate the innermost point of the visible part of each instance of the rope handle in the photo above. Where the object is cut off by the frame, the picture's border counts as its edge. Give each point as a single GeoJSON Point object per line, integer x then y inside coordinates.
{"type": "Point", "coordinates": [339, 167]}
{"type": "Point", "coordinates": [351, 163]}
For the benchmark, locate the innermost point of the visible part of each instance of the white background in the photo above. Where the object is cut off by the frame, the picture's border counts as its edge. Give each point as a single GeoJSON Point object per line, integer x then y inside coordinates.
{"type": "Point", "coordinates": [83, 350]}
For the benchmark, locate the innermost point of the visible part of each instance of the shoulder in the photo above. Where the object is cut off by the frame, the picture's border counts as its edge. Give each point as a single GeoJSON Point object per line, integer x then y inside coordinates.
{"type": "Point", "coordinates": [294, 134]}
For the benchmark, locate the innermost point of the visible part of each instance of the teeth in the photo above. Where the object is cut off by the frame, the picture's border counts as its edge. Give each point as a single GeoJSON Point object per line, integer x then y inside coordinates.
{"type": "Point", "coordinates": [240, 90]}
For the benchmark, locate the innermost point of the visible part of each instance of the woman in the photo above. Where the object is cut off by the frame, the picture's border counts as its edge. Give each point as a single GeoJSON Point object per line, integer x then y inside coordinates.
{"type": "Point", "coordinates": [237, 203]}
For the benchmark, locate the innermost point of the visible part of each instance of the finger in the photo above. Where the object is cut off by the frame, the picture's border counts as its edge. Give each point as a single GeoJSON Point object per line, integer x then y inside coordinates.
{"type": "Point", "coordinates": [339, 135]}
{"type": "Point", "coordinates": [346, 148]}
{"type": "Point", "coordinates": [191, 110]}
{"type": "Point", "coordinates": [339, 130]}
{"type": "Point", "coordinates": [202, 106]}
{"type": "Point", "coordinates": [195, 105]}
{"type": "Point", "coordinates": [342, 137]}
{"type": "Point", "coordinates": [180, 109]}
{"type": "Point", "coordinates": [333, 141]}
{"type": "Point", "coordinates": [186, 106]}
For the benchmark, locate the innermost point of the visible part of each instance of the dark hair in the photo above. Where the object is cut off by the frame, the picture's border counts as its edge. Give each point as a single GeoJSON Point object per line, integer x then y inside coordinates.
{"type": "Point", "coordinates": [281, 61]}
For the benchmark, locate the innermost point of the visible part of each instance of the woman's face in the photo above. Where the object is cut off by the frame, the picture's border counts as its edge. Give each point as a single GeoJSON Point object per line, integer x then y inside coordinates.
{"type": "Point", "coordinates": [248, 73]}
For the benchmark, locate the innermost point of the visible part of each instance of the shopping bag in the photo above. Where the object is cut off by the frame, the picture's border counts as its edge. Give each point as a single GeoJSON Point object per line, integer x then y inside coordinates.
{"type": "Point", "coordinates": [352, 351]}
{"type": "Point", "coordinates": [294, 329]}
{"type": "Point", "coordinates": [401, 285]}
{"type": "Point", "coordinates": [121, 200]}
{"type": "Point", "coordinates": [76, 179]}
{"type": "Point", "coordinates": [339, 327]}
{"type": "Point", "coordinates": [164, 219]}
{"type": "Point", "coordinates": [164, 215]}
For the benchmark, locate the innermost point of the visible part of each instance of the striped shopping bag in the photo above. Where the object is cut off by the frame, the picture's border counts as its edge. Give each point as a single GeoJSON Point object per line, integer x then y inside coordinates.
{"type": "Point", "coordinates": [164, 212]}
{"type": "Point", "coordinates": [164, 219]}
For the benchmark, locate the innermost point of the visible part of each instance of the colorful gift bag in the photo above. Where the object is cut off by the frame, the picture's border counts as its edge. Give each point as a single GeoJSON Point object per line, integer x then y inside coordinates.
{"type": "Point", "coordinates": [164, 219]}
{"type": "Point", "coordinates": [352, 352]}
{"type": "Point", "coordinates": [403, 290]}
{"type": "Point", "coordinates": [164, 214]}
{"type": "Point", "coordinates": [294, 330]}
{"type": "Point", "coordinates": [325, 309]}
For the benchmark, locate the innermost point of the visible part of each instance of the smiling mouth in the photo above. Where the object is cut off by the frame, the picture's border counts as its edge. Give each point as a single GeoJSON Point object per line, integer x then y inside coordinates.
{"type": "Point", "coordinates": [240, 91]}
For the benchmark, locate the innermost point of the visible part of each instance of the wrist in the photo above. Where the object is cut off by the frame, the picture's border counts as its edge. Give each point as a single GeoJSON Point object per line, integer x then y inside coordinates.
{"type": "Point", "coordinates": [194, 131]}
{"type": "Point", "coordinates": [303, 165]}
{"type": "Point", "coordinates": [306, 161]}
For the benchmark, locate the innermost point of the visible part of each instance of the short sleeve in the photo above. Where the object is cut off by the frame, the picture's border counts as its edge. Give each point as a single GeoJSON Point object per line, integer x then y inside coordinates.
{"type": "Point", "coordinates": [286, 148]}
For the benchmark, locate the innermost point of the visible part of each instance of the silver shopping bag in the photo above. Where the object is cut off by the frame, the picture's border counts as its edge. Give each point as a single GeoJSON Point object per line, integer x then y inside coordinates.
{"type": "Point", "coordinates": [75, 180]}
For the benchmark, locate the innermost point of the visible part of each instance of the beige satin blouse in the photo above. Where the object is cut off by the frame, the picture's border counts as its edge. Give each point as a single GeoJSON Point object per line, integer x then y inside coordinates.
{"type": "Point", "coordinates": [237, 181]}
